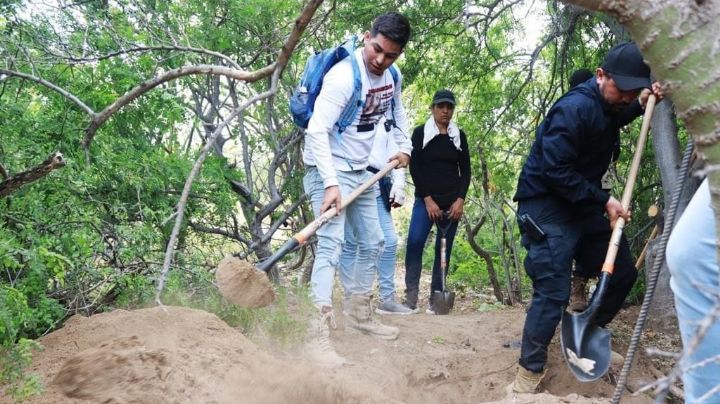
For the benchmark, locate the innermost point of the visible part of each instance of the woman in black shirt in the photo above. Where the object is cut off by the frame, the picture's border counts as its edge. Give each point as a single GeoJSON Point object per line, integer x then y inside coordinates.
{"type": "Point", "coordinates": [440, 169]}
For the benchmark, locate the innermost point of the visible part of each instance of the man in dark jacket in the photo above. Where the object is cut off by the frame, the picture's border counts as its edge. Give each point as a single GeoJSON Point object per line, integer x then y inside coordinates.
{"type": "Point", "coordinates": [560, 190]}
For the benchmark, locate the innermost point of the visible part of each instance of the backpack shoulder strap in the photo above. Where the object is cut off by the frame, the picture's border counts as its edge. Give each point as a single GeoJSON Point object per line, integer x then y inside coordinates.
{"type": "Point", "coordinates": [394, 73]}
{"type": "Point", "coordinates": [396, 77]}
{"type": "Point", "coordinates": [355, 102]}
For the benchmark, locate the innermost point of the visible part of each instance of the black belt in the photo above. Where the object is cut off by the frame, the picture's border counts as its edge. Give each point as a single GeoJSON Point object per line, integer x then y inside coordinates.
{"type": "Point", "coordinates": [372, 169]}
{"type": "Point", "coordinates": [366, 128]}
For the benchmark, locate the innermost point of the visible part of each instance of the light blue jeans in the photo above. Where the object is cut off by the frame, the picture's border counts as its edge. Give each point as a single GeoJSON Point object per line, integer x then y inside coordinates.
{"type": "Point", "coordinates": [692, 260]}
{"type": "Point", "coordinates": [362, 217]}
{"type": "Point", "coordinates": [386, 263]}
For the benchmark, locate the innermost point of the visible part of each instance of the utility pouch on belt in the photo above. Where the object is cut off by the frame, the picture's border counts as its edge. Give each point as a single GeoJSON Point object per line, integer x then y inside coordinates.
{"type": "Point", "coordinates": [531, 228]}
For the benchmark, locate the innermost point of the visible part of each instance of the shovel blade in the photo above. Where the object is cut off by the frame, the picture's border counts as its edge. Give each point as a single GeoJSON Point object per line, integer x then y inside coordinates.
{"type": "Point", "coordinates": [443, 302]}
{"type": "Point", "coordinates": [585, 346]}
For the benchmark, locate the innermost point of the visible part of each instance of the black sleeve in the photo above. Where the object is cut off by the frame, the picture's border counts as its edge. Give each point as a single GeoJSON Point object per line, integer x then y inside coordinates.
{"type": "Point", "coordinates": [464, 165]}
{"type": "Point", "coordinates": [560, 144]}
{"type": "Point", "coordinates": [416, 163]}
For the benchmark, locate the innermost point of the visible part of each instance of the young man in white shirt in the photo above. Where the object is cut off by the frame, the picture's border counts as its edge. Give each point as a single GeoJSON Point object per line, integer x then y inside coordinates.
{"type": "Point", "coordinates": [336, 165]}
{"type": "Point", "coordinates": [389, 193]}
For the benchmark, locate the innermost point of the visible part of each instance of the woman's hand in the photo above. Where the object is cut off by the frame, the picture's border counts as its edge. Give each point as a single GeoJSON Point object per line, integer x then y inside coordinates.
{"type": "Point", "coordinates": [456, 209]}
{"type": "Point", "coordinates": [433, 210]}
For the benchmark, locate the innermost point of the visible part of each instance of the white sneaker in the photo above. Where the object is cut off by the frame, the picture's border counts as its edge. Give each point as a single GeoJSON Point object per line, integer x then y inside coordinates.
{"type": "Point", "coordinates": [391, 307]}
{"type": "Point", "coordinates": [430, 310]}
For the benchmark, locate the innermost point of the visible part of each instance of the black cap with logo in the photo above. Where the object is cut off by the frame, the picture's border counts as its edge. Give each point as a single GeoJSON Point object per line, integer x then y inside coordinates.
{"type": "Point", "coordinates": [626, 66]}
{"type": "Point", "coordinates": [443, 96]}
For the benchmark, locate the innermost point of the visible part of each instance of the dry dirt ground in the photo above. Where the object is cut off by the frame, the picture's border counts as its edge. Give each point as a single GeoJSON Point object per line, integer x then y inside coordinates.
{"type": "Point", "coordinates": [181, 355]}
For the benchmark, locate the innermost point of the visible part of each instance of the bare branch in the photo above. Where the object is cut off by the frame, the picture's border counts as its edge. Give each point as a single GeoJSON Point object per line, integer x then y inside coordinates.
{"type": "Point", "coordinates": [148, 85]}
{"type": "Point", "coordinates": [221, 232]}
{"type": "Point", "coordinates": [54, 161]}
{"type": "Point", "coordinates": [51, 86]}
{"type": "Point", "coordinates": [150, 49]}
{"type": "Point", "coordinates": [283, 58]}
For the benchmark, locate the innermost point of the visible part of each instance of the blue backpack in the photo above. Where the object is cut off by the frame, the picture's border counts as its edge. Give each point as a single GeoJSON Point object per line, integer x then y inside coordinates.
{"type": "Point", "coordinates": [303, 99]}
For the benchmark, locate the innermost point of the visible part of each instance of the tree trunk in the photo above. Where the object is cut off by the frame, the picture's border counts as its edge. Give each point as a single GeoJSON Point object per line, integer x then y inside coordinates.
{"type": "Point", "coordinates": [492, 274]}
{"type": "Point", "coordinates": [661, 315]}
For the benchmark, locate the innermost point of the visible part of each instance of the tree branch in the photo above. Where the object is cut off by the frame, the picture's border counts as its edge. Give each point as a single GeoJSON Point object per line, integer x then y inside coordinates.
{"type": "Point", "coordinates": [142, 88]}
{"type": "Point", "coordinates": [149, 49]}
{"type": "Point", "coordinates": [51, 86]}
{"type": "Point", "coordinates": [283, 58]}
{"type": "Point", "coordinates": [54, 161]}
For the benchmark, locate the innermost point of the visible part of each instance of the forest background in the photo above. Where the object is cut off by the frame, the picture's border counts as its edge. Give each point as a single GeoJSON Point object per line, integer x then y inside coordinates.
{"type": "Point", "coordinates": [141, 141]}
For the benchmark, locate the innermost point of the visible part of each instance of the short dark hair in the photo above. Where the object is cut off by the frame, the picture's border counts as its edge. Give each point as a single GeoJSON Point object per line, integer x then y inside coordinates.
{"type": "Point", "coordinates": [394, 26]}
{"type": "Point", "coordinates": [580, 76]}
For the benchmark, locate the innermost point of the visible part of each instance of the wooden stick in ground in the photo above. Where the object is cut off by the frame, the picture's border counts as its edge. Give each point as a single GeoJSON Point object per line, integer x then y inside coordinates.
{"type": "Point", "coordinates": [641, 258]}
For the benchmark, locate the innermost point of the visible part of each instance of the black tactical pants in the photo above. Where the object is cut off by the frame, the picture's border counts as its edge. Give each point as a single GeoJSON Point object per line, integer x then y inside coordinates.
{"type": "Point", "coordinates": [571, 233]}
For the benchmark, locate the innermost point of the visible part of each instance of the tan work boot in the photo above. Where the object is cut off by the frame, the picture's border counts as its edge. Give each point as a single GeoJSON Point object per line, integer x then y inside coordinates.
{"type": "Point", "coordinates": [526, 381]}
{"type": "Point", "coordinates": [578, 295]}
{"type": "Point", "coordinates": [361, 318]}
{"type": "Point", "coordinates": [318, 348]}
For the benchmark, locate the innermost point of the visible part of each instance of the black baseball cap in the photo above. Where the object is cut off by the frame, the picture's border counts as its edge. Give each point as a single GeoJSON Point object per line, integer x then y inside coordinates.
{"type": "Point", "coordinates": [443, 96]}
{"type": "Point", "coordinates": [626, 66]}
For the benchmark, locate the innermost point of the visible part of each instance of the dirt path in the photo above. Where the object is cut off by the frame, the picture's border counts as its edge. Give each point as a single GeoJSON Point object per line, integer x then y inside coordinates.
{"type": "Point", "coordinates": [189, 356]}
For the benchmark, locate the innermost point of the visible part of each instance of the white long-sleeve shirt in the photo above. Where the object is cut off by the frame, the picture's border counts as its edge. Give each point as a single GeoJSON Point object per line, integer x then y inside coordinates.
{"type": "Point", "coordinates": [350, 150]}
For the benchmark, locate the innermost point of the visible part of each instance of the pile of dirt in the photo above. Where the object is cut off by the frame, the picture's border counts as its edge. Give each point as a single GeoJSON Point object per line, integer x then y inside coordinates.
{"type": "Point", "coordinates": [182, 355]}
{"type": "Point", "coordinates": [177, 355]}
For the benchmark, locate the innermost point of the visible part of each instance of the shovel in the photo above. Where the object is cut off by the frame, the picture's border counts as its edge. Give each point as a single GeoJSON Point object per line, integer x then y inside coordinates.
{"type": "Point", "coordinates": [247, 286]}
{"type": "Point", "coordinates": [443, 301]}
{"type": "Point", "coordinates": [585, 345]}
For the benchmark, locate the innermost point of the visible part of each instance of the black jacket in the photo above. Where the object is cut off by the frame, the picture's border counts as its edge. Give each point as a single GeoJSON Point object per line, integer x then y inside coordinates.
{"type": "Point", "coordinates": [439, 169]}
{"type": "Point", "coordinates": [573, 147]}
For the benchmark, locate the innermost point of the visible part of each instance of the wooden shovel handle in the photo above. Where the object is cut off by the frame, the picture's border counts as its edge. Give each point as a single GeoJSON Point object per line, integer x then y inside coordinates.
{"type": "Point", "coordinates": [609, 264]}
{"type": "Point", "coordinates": [303, 235]}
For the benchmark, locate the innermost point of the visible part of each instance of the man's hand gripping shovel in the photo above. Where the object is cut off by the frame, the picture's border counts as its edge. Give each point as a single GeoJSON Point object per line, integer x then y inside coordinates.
{"type": "Point", "coordinates": [585, 345]}
{"type": "Point", "coordinates": [248, 286]}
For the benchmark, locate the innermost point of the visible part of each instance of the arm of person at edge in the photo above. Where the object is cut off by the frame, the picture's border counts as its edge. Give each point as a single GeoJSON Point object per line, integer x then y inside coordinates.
{"type": "Point", "coordinates": [456, 209]}
{"type": "Point", "coordinates": [331, 101]}
{"type": "Point", "coordinates": [400, 131]}
{"type": "Point", "coordinates": [560, 145]}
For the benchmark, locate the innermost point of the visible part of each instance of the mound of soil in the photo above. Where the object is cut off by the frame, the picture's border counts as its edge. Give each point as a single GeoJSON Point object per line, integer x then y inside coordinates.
{"type": "Point", "coordinates": [176, 355]}
{"type": "Point", "coordinates": [180, 355]}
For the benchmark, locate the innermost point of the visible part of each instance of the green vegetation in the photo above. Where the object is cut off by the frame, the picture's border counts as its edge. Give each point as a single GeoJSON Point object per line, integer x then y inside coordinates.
{"type": "Point", "coordinates": [91, 236]}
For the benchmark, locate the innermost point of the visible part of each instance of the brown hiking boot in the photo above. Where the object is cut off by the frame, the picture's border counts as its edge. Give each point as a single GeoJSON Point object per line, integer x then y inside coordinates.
{"type": "Point", "coordinates": [578, 294]}
{"type": "Point", "coordinates": [526, 381]}
{"type": "Point", "coordinates": [361, 318]}
{"type": "Point", "coordinates": [318, 348]}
